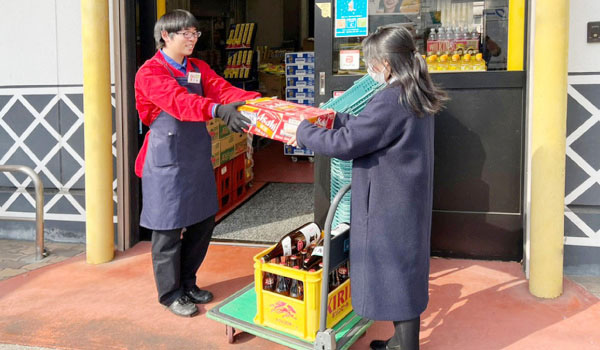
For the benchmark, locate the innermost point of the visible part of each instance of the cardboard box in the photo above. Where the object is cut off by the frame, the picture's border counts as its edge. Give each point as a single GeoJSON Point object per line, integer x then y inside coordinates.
{"type": "Point", "coordinates": [223, 130]}
{"type": "Point", "coordinates": [215, 156]}
{"type": "Point", "coordinates": [300, 69]}
{"type": "Point", "coordinates": [213, 128]}
{"type": "Point", "coordinates": [299, 92]}
{"type": "Point", "coordinates": [302, 101]}
{"type": "Point", "coordinates": [300, 81]}
{"type": "Point", "coordinates": [240, 143]}
{"type": "Point", "coordinates": [271, 117]}
{"type": "Point", "coordinates": [300, 57]}
{"type": "Point", "coordinates": [227, 149]}
{"type": "Point", "coordinates": [272, 84]}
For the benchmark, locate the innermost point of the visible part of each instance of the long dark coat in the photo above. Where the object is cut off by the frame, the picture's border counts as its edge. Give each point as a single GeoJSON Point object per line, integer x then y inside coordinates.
{"type": "Point", "coordinates": [392, 190]}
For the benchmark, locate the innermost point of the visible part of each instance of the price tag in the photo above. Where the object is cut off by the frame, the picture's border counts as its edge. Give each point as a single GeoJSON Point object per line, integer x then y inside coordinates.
{"type": "Point", "coordinates": [194, 77]}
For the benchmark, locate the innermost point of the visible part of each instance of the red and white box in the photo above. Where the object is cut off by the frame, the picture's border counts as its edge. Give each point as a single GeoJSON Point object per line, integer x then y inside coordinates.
{"type": "Point", "coordinates": [271, 117]}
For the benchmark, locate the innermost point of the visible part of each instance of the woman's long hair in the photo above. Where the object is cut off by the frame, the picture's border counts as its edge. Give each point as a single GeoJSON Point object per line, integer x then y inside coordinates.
{"type": "Point", "coordinates": [394, 44]}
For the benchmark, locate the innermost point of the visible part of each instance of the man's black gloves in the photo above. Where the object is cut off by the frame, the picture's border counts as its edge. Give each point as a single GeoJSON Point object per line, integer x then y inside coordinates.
{"type": "Point", "coordinates": [234, 119]}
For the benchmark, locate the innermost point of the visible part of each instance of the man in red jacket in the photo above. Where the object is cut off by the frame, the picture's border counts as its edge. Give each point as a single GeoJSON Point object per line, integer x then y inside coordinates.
{"type": "Point", "coordinates": [175, 96]}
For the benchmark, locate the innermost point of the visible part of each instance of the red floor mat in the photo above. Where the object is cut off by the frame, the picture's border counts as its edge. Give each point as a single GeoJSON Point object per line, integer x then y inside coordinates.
{"type": "Point", "coordinates": [271, 165]}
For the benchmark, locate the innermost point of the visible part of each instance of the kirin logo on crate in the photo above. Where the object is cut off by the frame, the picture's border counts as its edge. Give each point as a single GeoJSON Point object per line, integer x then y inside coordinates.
{"type": "Point", "coordinates": [339, 301]}
{"type": "Point", "coordinates": [284, 309]}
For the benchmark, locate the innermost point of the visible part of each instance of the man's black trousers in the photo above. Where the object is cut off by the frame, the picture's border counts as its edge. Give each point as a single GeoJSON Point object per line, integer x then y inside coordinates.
{"type": "Point", "coordinates": [176, 258]}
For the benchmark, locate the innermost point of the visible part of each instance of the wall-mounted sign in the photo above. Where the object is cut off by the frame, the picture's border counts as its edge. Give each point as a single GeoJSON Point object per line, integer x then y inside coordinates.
{"type": "Point", "coordinates": [350, 59]}
{"type": "Point", "coordinates": [351, 18]}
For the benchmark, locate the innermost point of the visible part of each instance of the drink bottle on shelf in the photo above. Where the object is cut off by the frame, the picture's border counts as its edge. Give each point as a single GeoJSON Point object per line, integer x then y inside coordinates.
{"type": "Point", "coordinates": [294, 242]}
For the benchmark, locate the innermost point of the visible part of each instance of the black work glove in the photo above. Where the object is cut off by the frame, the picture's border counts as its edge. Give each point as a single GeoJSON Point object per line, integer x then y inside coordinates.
{"type": "Point", "coordinates": [234, 119]}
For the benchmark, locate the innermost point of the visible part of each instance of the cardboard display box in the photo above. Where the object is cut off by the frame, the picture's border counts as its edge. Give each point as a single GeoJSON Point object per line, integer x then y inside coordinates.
{"type": "Point", "coordinates": [271, 84]}
{"type": "Point", "coordinates": [271, 117]}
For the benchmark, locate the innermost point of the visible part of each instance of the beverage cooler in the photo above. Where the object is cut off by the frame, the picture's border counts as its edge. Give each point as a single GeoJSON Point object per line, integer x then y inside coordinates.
{"type": "Point", "coordinates": [475, 51]}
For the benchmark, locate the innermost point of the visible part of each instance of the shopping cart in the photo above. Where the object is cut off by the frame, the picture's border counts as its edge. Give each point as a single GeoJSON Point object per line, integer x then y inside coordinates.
{"type": "Point", "coordinates": [237, 311]}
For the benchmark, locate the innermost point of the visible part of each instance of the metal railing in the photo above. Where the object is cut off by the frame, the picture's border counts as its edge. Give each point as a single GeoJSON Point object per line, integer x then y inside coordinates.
{"type": "Point", "coordinates": [40, 252]}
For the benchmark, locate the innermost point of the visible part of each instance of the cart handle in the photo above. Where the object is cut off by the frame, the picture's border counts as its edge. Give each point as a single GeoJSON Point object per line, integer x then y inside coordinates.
{"type": "Point", "coordinates": [326, 247]}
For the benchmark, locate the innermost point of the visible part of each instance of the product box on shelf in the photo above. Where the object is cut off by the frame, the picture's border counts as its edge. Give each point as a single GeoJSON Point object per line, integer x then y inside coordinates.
{"type": "Point", "coordinates": [300, 81]}
{"type": "Point", "coordinates": [271, 117]}
{"type": "Point", "coordinates": [300, 57]}
{"type": "Point", "coordinates": [308, 101]}
{"type": "Point", "coordinates": [300, 92]}
{"type": "Point", "coordinates": [300, 69]}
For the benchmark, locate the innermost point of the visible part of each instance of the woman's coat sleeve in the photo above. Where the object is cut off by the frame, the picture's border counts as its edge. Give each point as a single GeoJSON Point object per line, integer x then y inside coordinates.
{"type": "Point", "coordinates": [381, 122]}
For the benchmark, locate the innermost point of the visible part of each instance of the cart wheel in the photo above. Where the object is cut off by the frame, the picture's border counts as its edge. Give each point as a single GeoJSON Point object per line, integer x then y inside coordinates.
{"type": "Point", "coordinates": [295, 159]}
{"type": "Point", "coordinates": [311, 159]}
{"type": "Point", "coordinates": [230, 332]}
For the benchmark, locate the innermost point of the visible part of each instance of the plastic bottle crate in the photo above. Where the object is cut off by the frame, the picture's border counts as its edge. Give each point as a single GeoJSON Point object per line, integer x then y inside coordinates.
{"type": "Point", "coordinates": [224, 179]}
{"type": "Point", "coordinates": [360, 92]}
{"type": "Point", "coordinates": [293, 316]}
{"type": "Point", "coordinates": [239, 177]}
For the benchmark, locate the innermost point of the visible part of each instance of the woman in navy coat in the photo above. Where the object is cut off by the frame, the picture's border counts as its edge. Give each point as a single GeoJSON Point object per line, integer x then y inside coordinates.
{"type": "Point", "coordinates": [391, 145]}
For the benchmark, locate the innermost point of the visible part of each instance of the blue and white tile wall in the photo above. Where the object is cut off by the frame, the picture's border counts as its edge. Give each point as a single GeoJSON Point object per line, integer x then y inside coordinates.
{"type": "Point", "coordinates": [42, 127]}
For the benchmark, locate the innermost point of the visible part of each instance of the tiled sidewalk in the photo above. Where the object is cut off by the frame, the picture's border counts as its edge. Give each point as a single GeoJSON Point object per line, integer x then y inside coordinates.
{"type": "Point", "coordinates": [17, 257]}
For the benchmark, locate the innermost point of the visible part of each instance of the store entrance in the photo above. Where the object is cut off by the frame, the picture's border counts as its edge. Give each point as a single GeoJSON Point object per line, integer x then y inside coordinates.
{"type": "Point", "coordinates": [275, 192]}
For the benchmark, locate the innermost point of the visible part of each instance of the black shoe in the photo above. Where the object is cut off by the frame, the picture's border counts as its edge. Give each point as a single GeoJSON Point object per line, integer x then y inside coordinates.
{"type": "Point", "coordinates": [382, 345]}
{"type": "Point", "coordinates": [184, 307]}
{"type": "Point", "coordinates": [199, 296]}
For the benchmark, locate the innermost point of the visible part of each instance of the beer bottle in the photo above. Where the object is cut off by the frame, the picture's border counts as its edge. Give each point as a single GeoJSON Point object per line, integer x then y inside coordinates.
{"type": "Point", "coordinates": [334, 280]}
{"type": "Point", "coordinates": [293, 261]}
{"type": "Point", "coordinates": [294, 241]}
{"type": "Point", "coordinates": [297, 288]}
{"type": "Point", "coordinates": [303, 255]}
{"type": "Point", "coordinates": [315, 258]}
{"type": "Point", "coordinates": [343, 273]}
{"type": "Point", "coordinates": [269, 282]}
{"type": "Point", "coordinates": [283, 284]}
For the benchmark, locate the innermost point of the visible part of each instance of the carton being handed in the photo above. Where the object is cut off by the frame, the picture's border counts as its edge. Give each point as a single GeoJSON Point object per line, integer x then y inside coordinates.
{"type": "Point", "coordinates": [271, 117]}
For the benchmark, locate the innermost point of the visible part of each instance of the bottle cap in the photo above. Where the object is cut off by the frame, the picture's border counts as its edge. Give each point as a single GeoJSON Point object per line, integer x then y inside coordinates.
{"type": "Point", "coordinates": [297, 267]}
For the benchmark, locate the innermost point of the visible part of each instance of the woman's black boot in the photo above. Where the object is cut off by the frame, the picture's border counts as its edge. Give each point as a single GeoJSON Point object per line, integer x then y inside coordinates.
{"type": "Point", "coordinates": [406, 337]}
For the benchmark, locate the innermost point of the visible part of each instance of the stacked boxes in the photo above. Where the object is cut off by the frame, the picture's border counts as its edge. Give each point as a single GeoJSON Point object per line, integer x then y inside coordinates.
{"type": "Point", "coordinates": [300, 87]}
{"type": "Point", "coordinates": [300, 77]}
{"type": "Point", "coordinates": [226, 145]}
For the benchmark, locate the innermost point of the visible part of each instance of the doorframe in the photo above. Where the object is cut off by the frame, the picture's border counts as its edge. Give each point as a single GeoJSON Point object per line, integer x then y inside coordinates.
{"type": "Point", "coordinates": [124, 34]}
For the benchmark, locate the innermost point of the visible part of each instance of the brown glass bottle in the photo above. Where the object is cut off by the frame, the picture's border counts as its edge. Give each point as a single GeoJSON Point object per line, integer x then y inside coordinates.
{"type": "Point", "coordinates": [334, 280]}
{"type": "Point", "coordinates": [297, 288]}
{"type": "Point", "coordinates": [269, 282]}
{"type": "Point", "coordinates": [294, 241]}
{"type": "Point", "coordinates": [315, 257]}
{"type": "Point", "coordinates": [343, 273]}
{"type": "Point", "coordinates": [283, 284]}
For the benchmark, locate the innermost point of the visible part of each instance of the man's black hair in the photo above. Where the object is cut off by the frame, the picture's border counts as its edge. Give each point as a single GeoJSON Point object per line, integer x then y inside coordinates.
{"type": "Point", "coordinates": [173, 22]}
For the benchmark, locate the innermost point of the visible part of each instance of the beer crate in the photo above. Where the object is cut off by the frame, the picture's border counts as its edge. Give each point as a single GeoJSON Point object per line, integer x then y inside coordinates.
{"type": "Point", "coordinates": [293, 316]}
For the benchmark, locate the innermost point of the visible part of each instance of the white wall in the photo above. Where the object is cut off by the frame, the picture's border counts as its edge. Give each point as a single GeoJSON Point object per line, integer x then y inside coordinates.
{"type": "Point", "coordinates": [42, 43]}
{"type": "Point", "coordinates": [583, 57]}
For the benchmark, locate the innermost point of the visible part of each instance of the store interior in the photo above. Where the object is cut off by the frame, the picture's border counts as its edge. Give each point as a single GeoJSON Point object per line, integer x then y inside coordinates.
{"type": "Point", "coordinates": [246, 42]}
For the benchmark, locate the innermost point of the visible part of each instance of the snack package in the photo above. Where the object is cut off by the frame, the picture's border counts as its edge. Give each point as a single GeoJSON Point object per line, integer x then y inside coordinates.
{"type": "Point", "coordinates": [271, 117]}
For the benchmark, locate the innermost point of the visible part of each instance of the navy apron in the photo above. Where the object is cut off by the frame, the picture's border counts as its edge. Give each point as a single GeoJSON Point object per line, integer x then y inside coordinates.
{"type": "Point", "coordinates": [178, 182]}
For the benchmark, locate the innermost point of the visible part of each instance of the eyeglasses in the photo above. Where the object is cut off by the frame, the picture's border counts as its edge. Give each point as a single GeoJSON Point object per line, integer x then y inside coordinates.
{"type": "Point", "coordinates": [190, 35]}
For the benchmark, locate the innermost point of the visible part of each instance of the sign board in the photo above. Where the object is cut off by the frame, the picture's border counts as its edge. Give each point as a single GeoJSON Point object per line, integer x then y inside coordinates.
{"type": "Point", "coordinates": [351, 18]}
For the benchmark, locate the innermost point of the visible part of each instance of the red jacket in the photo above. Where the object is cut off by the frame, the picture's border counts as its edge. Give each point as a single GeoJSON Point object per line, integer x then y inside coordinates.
{"type": "Point", "coordinates": [156, 91]}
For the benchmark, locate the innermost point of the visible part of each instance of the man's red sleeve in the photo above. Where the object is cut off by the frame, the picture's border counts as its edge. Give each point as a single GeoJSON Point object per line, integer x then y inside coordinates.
{"type": "Point", "coordinates": [154, 84]}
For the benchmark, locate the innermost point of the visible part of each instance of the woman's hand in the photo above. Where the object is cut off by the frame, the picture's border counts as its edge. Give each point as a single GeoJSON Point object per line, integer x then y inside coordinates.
{"type": "Point", "coordinates": [293, 142]}
{"type": "Point", "coordinates": [291, 129]}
